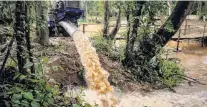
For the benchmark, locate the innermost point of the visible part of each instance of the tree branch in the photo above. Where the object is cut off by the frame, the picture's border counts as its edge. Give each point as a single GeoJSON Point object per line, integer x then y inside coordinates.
{"type": "Point", "coordinates": [117, 26]}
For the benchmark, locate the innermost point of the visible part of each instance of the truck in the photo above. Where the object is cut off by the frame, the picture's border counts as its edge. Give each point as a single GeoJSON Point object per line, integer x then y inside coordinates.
{"type": "Point", "coordinates": [63, 11]}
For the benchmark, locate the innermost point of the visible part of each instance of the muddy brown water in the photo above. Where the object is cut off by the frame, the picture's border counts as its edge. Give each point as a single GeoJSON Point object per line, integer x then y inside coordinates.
{"type": "Point", "coordinates": [193, 59]}
{"type": "Point", "coordinates": [194, 62]}
{"type": "Point", "coordinates": [95, 76]}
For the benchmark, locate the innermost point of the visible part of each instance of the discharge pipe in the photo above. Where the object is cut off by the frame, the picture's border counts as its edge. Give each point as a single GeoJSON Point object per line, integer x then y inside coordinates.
{"type": "Point", "coordinates": [69, 27]}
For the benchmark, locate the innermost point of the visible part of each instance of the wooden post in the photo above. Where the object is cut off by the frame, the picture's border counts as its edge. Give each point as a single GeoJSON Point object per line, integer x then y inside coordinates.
{"type": "Point", "coordinates": [178, 41]}
{"type": "Point", "coordinates": [84, 28]}
{"type": "Point", "coordinates": [186, 24]}
{"type": "Point", "coordinates": [203, 35]}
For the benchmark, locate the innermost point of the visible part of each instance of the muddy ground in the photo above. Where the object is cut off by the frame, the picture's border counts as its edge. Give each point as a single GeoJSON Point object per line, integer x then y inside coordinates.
{"type": "Point", "coordinates": [193, 59]}
{"type": "Point", "coordinates": [63, 56]}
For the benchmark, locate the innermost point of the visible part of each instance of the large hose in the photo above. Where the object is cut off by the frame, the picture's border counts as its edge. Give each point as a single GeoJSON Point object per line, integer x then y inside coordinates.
{"type": "Point", "coordinates": [69, 27]}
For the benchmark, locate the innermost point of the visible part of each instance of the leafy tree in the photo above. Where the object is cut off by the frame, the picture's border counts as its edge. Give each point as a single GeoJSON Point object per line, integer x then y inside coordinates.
{"type": "Point", "coordinates": [143, 52]}
{"type": "Point", "coordinates": [93, 9]}
{"type": "Point", "coordinates": [131, 36]}
{"type": "Point", "coordinates": [164, 34]}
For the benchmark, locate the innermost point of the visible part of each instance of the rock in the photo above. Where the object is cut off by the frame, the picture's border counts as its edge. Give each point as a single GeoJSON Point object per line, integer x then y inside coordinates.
{"type": "Point", "coordinates": [51, 81]}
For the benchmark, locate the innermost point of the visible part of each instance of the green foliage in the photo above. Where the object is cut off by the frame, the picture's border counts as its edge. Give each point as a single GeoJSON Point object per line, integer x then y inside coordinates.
{"type": "Point", "coordinates": [118, 53]}
{"type": "Point", "coordinates": [171, 73]}
{"type": "Point", "coordinates": [28, 64]}
{"type": "Point", "coordinates": [27, 90]}
{"type": "Point", "coordinates": [155, 9]}
{"type": "Point", "coordinates": [114, 7]}
{"type": "Point", "coordinates": [34, 93]}
{"type": "Point", "coordinates": [6, 11]}
{"type": "Point", "coordinates": [139, 60]}
{"type": "Point", "coordinates": [11, 63]}
{"type": "Point", "coordinates": [106, 47]}
{"type": "Point", "coordinates": [169, 27]}
{"type": "Point", "coordinates": [158, 72]}
{"type": "Point", "coordinates": [102, 45]}
{"type": "Point", "coordinates": [94, 8]}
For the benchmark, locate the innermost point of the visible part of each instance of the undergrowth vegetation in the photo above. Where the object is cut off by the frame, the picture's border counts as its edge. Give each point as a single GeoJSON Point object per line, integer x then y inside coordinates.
{"type": "Point", "coordinates": [26, 90]}
{"type": "Point", "coordinates": [159, 72]}
{"type": "Point", "coordinates": [108, 48]}
{"type": "Point", "coordinates": [170, 73]}
{"type": "Point", "coordinates": [102, 45]}
{"type": "Point", "coordinates": [33, 90]}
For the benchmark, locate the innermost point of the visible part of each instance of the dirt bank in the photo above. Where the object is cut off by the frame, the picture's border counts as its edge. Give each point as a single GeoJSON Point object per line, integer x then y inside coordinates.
{"type": "Point", "coordinates": [70, 70]}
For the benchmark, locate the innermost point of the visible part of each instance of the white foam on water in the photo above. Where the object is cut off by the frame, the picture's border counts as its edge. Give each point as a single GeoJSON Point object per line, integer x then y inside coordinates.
{"type": "Point", "coordinates": [205, 60]}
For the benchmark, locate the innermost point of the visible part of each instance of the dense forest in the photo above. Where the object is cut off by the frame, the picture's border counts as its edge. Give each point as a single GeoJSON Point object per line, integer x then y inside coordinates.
{"type": "Point", "coordinates": [93, 53]}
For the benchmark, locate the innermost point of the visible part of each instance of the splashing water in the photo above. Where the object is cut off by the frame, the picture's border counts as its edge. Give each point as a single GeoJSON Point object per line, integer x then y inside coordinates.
{"type": "Point", "coordinates": [96, 76]}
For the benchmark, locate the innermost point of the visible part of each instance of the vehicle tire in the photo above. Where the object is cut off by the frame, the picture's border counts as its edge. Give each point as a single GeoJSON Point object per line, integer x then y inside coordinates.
{"type": "Point", "coordinates": [51, 32]}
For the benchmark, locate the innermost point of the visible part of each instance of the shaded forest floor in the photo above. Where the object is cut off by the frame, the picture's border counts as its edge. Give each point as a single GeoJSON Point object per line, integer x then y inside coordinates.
{"type": "Point", "coordinates": [64, 68]}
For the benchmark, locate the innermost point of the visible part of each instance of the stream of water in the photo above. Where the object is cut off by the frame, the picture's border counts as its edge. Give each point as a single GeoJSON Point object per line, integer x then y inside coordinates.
{"type": "Point", "coordinates": [96, 77]}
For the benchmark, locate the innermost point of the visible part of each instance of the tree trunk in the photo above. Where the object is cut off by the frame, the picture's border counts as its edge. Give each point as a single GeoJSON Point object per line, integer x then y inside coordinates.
{"type": "Point", "coordinates": [175, 20]}
{"type": "Point", "coordinates": [150, 46]}
{"type": "Point", "coordinates": [28, 38]}
{"type": "Point", "coordinates": [132, 37]}
{"type": "Point", "coordinates": [128, 34]}
{"type": "Point", "coordinates": [136, 15]}
{"type": "Point", "coordinates": [106, 20]}
{"type": "Point", "coordinates": [41, 24]}
{"type": "Point", "coordinates": [117, 26]}
{"type": "Point", "coordinates": [19, 32]}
